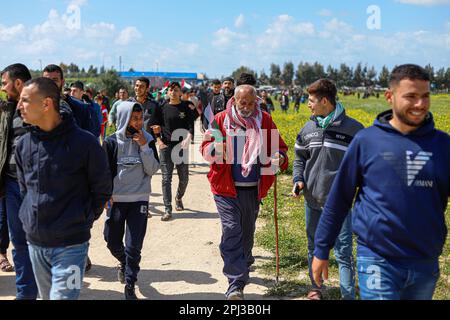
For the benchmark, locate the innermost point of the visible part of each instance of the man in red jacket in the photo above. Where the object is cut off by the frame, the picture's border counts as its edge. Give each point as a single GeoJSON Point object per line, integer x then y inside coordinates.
{"type": "Point", "coordinates": [245, 150]}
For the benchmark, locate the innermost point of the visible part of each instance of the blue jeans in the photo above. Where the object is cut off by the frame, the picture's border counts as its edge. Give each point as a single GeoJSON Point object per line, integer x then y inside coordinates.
{"type": "Point", "coordinates": [380, 279]}
{"type": "Point", "coordinates": [343, 251]}
{"type": "Point", "coordinates": [25, 282]}
{"type": "Point", "coordinates": [59, 271]}
{"type": "Point", "coordinates": [4, 232]}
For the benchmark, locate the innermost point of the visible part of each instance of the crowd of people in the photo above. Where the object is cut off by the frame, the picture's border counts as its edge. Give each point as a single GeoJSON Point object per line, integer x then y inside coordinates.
{"type": "Point", "coordinates": [60, 171]}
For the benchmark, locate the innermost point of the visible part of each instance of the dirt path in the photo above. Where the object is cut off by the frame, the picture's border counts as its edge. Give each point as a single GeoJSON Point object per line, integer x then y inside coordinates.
{"type": "Point", "coordinates": [180, 258]}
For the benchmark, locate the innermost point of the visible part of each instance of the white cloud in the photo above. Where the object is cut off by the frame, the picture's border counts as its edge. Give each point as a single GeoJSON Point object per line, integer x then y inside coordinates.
{"type": "Point", "coordinates": [359, 37]}
{"type": "Point", "coordinates": [55, 39]}
{"type": "Point", "coordinates": [336, 25]}
{"type": "Point", "coordinates": [128, 35]}
{"type": "Point", "coordinates": [11, 33]}
{"type": "Point", "coordinates": [54, 25]}
{"type": "Point", "coordinates": [285, 24]}
{"type": "Point", "coordinates": [224, 37]}
{"type": "Point", "coordinates": [331, 42]}
{"type": "Point", "coordinates": [335, 28]}
{"type": "Point", "coordinates": [284, 38]}
{"type": "Point", "coordinates": [305, 28]}
{"type": "Point", "coordinates": [100, 30]}
{"type": "Point", "coordinates": [285, 30]}
{"type": "Point", "coordinates": [38, 47]}
{"type": "Point", "coordinates": [424, 2]}
{"type": "Point", "coordinates": [240, 21]}
{"type": "Point", "coordinates": [189, 49]}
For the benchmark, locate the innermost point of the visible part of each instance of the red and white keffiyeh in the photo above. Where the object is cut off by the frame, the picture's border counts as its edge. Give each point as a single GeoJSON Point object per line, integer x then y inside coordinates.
{"type": "Point", "coordinates": [253, 134]}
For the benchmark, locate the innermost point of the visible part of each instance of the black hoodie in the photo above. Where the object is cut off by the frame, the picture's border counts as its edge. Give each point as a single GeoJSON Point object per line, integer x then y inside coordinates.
{"type": "Point", "coordinates": [64, 181]}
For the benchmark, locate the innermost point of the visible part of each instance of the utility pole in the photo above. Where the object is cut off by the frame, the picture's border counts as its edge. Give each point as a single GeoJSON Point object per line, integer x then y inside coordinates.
{"type": "Point", "coordinates": [120, 64]}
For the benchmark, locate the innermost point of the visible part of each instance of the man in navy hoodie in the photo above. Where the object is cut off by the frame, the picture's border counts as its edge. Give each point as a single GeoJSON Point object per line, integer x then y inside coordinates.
{"type": "Point", "coordinates": [399, 170]}
{"type": "Point", "coordinates": [65, 182]}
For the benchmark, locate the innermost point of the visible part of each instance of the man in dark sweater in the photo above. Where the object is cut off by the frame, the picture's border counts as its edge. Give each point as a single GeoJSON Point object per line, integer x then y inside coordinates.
{"type": "Point", "coordinates": [173, 126]}
{"type": "Point", "coordinates": [399, 171]}
{"type": "Point", "coordinates": [65, 183]}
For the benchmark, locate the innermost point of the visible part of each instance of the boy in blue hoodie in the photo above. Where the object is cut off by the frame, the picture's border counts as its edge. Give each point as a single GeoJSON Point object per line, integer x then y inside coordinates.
{"type": "Point", "coordinates": [399, 170]}
{"type": "Point", "coordinates": [133, 161]}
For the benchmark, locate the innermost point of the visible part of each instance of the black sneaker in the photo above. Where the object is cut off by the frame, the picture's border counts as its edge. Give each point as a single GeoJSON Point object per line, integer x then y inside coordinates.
{"type": "Point", "coordinates": [236, 295]}
{"type": "Point", "coordinates": [88, 265]}
{"type": "Point", "coordinates": [130, 293]}
{"type": "Point", "coordinates": [121, 273]}
{"type": "Point", "coordinates": [179, 205]}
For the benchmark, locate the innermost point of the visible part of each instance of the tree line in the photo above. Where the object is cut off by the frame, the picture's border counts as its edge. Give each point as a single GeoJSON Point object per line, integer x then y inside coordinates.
{"type": "Point", "coordinates": [285, 76]}
{"type": "Point", "coordinates": [359, 76]}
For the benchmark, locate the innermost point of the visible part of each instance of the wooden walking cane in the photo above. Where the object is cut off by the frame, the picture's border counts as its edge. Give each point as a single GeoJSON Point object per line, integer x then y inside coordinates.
{"type": "Point", "coordinates": [277, 252]}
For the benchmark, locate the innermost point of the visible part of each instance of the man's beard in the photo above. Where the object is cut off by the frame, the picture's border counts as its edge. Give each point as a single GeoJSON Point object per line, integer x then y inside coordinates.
{"type": "Point", "coordinates": [404, 119]}
{"type": "Point", "coordinates": [245, 114]}
{"type": "Point", "coordinates": [228, 92]}
{"type": "Point", "coordinates": [15, 95]}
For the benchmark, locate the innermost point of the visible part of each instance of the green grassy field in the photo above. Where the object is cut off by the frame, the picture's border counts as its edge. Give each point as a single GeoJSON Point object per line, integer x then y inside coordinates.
{"type": "Point", "coordinates": [293, 241]}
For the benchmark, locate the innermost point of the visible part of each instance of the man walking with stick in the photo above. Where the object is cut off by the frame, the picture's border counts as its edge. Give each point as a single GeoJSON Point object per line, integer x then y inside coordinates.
{"type": "Point", "coordinates": [245, 152]}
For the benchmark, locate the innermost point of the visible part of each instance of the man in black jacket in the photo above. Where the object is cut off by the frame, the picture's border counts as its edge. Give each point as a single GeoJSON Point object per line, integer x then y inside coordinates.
{"type": "Point", "coordinates": [82, 114]}
{"type": "Point", "coordinates": [218, 97]}
{"type": "Point", "coordinates": [11, 129]}
{"type": "Point", "coordinates": [65, 183]}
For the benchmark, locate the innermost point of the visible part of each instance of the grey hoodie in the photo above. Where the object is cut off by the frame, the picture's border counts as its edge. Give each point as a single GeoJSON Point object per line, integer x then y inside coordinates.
{"type": "Point", "coordinates": [135, 165]}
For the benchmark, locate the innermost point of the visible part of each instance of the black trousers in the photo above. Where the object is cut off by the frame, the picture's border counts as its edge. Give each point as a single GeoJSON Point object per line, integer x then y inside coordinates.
{"type": "Point", "coordinates": [129, 219]}
{"type": "Point", "coordinates": [167, 166]}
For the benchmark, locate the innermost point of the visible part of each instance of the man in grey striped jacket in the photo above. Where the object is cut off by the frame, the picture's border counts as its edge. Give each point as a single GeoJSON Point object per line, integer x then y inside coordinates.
{"type": "Point", "coordinates": [319, 150]}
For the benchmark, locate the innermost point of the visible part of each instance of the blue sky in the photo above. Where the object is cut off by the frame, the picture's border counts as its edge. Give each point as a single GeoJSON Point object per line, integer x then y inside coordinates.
{"type": "Point", "coordinates": [217, 37]}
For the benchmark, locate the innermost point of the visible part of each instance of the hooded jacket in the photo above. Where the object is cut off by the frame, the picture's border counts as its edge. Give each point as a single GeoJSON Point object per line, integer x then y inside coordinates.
{"type": "Point", "coordinates": [64, 182]}
{"type": "Point", "coordinates": [131, 166]}
{"type": "Point", "coordinates": [404, 184]}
